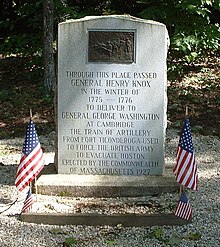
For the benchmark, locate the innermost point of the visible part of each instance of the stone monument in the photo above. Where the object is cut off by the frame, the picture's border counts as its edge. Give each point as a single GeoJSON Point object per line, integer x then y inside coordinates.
{"type": "Point", "coordinates": [111, 96]}
{"type": "Point", "coordinates": [111, 109]}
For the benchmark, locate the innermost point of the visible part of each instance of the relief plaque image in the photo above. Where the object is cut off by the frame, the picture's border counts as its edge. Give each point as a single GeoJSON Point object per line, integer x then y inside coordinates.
{"type": "Point", "coordinates": [111, 46]}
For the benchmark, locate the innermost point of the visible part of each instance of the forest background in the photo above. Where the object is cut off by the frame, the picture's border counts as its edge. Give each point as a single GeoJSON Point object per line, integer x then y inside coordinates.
{"type": "Point", "coordinates": [193, 58]}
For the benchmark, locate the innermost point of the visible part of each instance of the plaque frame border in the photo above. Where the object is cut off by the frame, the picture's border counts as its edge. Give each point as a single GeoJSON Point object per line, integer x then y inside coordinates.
{"type": "Point", "coordinates": [112, 30]}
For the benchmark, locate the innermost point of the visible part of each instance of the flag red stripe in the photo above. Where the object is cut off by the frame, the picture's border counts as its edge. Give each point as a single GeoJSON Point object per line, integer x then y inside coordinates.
{"type": "Point", "coordinates": [27, 204]}
{"type": "Point", "coordinates": [181, 158]}
{"type": "Point", "coordinates": [181, 161]}
{"type": "Point", "coordinates": [29, 170]}
{"type": "Point", "coordinates": [189, 178]}
{"type": "Point", "coordinates": [187, 167]}
{"type": "Point", "coordinates": [176, 168]}
{"type": "Point", "coordinates": [183, 210]}
{"type": "Point", "coordinates": [32, 161]}
{"type": "Point", "coordinates": [28, 167]}
{"type": "Point", "coordinates": [26, 161]}
{"type": "Point", "coordinates": [195, 178]}
{"type": "Point", "coordinates": [192, 179]}
{"type": "Point", "coordinates": [185, 170]}
{"type": "Point", "coordinates": [30, 175]}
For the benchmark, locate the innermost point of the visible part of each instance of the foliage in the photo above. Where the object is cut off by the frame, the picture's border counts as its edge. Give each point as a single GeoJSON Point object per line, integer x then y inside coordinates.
{"type": "Point", "coordinates": [69, 242]}
{"type": "Point", "coordinates": [158, 233]}
{"type": "Point", "coordinates": [193, 31]}
{"type": "Point", "coordinates": [111, 242]}
{"type": "Point", "coordinates": [21, 32]}
{"type": "Point", "coordinates": [193, 236]}
{"type": "Point", "coordinates": [193, 25]}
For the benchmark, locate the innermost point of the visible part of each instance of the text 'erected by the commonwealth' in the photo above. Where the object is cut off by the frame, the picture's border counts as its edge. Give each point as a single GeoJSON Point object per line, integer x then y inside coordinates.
{"type": "Point", "coordinates": [111, 96]}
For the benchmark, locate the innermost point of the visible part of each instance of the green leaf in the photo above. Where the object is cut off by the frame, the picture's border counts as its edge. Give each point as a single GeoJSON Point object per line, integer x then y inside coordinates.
{"type": "Point", "coordinates": [70, 241]}
{"type": "Point", "coordinates": [194, 236]}
{"type": "Point", "coordinates": [159, 233]}
{"type": "Point", "coordinates": [156, 233]}
{"type": "Point", "coordinates": [111, 242]}
{"type": "Point", "coordinates": [173, 241]}
{"type": "Point", "coordinates": [191, 7]}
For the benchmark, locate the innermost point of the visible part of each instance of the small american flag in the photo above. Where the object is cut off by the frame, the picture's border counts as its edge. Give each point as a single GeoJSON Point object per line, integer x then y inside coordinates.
{"type": "Point", "coordinates": [28, 202]}
{"type": "Point", "coordinates": [183, 209]}
{"type": "Point", "coordinates": [185, 170]}
{"type": "Point", "coordinates": [32, 160]}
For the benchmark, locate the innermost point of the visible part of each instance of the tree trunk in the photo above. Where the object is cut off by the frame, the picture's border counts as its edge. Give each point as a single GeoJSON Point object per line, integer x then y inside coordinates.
{"type": "Point", "coordinates": [49, 68]}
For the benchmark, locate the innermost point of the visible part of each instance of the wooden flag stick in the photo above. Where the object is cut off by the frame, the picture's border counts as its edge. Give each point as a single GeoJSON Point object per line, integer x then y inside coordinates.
{"type": "Point", "coordinates": [30, 113]}
{"type": "Point", "coordinates": [35, 179]}
{"type": "Point", "coordinates": [187, 111]}
{"type": "Point", "coordinates": [35, 183]}
{"type": "Point", "coordinates": [182, 188]}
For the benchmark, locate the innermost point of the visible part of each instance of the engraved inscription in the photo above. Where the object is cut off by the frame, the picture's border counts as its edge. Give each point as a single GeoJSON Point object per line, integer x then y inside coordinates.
{"type": "Point", "coordinates": [111, 97]}
{"type": "Point", "coordinates": [111, 46]}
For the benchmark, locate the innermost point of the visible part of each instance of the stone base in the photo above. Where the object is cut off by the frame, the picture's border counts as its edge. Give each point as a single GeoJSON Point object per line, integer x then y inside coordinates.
{"type": "Point", "coordinates": [105, 185]}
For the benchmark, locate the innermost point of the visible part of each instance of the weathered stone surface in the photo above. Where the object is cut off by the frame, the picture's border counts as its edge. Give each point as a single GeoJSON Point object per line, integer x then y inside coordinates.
{"type": "Point", "coordinates": [111, 96]}
{"type": "Point", "coordinates": [105, 185]}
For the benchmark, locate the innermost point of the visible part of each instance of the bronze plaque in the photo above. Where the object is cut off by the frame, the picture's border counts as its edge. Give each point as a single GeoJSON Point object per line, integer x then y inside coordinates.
{"type": "Point", "coordinates": [111, 46]}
